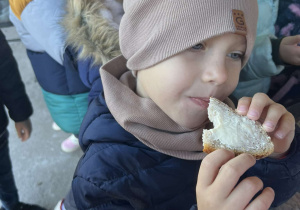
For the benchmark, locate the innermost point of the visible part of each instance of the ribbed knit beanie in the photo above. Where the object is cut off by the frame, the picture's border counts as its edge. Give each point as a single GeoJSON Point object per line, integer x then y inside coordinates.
{"type": "Point", "coordinates": [154, 30]}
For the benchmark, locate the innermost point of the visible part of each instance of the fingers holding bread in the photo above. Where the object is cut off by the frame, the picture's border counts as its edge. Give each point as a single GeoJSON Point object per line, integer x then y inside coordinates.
{"type": "Point", "coordinates": [263, 201]}
{"type": "Point", "coordinates": [248, 187]}
{"type": "Point", "coordinates": [210, 166]}
{"type": "Point", "coordinates": [235, 132]}
{"type": "Point", "coordinates": [223, 171]}
{"type": "Point", "coordinates": [285, 125]}
{"type": "Point", "coordinates": [278, 125]}
{"type": "Point", "coordinates": [243, 105]}
{"type": "Point", "coordinates": [275, 119]}
{"type": "Point", "coordinates": [282, 145]}
{"type": "Point", "coordinates": [231, 172]}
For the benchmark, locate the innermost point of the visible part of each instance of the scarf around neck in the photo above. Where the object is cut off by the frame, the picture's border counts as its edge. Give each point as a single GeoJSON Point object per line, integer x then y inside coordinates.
{"type": "Point", "coordinates": [143, 118]}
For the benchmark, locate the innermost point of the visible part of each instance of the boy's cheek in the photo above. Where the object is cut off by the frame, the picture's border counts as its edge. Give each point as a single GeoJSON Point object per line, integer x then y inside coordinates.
{"type": "Point", "coordinates": [233, 80]}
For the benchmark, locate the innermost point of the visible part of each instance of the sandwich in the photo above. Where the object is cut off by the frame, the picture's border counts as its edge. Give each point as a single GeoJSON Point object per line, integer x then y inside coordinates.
{"type": "Point", "coordinates": [235, 132]}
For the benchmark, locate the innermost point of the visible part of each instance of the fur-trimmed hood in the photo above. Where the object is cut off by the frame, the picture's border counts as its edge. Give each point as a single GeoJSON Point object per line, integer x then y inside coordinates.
{"type": "Point", "coordinates": [92, 28]}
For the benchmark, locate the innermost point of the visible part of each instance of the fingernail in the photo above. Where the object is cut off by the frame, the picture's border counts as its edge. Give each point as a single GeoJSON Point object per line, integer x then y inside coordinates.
{"type": "Point", "coordinates": [242, 108]}
{"type": "Point", "coordinates": [252, 113]}
{"type": "Point", "coordinates": [268, 126]}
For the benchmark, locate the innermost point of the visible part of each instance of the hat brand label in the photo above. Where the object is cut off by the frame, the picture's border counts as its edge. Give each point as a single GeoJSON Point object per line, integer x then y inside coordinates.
{"type": "Point", "coordinates": [239, 22]}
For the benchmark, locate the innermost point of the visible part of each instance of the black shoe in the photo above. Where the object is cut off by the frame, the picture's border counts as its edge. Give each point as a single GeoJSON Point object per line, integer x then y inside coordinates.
{"type": "Point", "coordinates": [25, 206]}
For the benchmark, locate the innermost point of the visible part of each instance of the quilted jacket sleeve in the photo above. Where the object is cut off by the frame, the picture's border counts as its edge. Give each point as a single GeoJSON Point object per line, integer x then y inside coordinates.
{"type": "Point", "coordinates": [12, 90]}
{"type": "Point", "coordinates": [282, 175]}
{"type": "Point", "coordinates": [120, 176]}
{"type": "Point", "coordinates": [96, 198]}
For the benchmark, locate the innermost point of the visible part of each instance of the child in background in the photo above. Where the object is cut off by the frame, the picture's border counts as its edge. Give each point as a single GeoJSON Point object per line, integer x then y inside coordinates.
{"type": "Point", "coordinates": [14, 97]}
{"type": "Point", "coordinates": [269, 54]}
{"type": "Point", "coordinates": [287, 23]}
{"type": "Point", "coordinates": [39, 26]}
{"type": "Point", "coordinates": [92, 31]}
{"type": "Point", "coordinates": [285, 87]}
{"type": "Point", "coordinates": [142, 134]}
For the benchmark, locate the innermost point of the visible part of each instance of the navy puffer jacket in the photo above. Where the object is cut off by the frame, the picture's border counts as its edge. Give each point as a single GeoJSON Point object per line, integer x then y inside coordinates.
{"type": "Point", "coordinates": [117, 171]}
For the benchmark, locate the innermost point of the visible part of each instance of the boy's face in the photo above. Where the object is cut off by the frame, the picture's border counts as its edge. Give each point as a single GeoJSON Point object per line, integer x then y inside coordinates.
{"type": "Point", "coordinates": [181, 85]}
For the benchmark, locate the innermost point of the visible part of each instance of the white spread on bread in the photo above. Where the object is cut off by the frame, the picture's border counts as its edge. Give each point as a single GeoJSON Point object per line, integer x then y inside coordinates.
{"type": "Point", "coordinates": [235, 132]}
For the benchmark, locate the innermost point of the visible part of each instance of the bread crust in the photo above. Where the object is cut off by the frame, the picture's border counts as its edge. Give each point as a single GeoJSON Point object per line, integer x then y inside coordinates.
{"type": "Point", "coordinates": [207, 148]}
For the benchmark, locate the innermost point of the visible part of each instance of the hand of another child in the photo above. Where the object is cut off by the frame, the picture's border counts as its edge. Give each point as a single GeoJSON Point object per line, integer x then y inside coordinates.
{"type": "Point", "coordinates": [216, 187]}
{"type": "Point", "coordinates": [23, 129]}
{"type": "Point", "coordinates": [289, 50]}
{"type": "Point", "coordinates": [276, 120]}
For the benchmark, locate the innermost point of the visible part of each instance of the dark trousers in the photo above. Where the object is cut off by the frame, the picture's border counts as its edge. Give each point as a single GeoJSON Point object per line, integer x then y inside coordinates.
{"type": "Point", "coordinates": [8, 191]}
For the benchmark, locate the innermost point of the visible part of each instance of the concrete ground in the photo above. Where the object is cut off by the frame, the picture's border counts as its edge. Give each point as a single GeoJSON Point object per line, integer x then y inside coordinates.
{"type": "Point", "coordinates": [43, 173]}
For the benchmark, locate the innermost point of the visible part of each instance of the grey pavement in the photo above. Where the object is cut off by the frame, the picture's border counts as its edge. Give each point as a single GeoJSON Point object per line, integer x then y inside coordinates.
{"type": "Point", "coordinates": [43, 173]}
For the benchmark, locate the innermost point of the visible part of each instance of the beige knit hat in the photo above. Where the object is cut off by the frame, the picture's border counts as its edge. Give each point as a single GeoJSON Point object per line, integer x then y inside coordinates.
{"type": "Point", "coordinates": [154, 30]}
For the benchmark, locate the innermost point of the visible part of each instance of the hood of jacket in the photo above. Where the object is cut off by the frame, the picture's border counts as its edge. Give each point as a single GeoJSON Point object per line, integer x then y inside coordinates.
{"type": "Point", "coordinates": [92, 28]}
{"type": "Point", "coordinates": [267, 16]}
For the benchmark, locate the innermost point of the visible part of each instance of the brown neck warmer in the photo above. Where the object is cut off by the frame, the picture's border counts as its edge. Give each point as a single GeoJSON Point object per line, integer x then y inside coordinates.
{"type": "Point", "coordinates": [143, 118]}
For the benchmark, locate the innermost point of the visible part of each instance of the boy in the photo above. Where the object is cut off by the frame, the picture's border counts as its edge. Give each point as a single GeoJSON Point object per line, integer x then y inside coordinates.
{"type": "Point", "coordinates": [142, 135]}
{"type": "Point", "coordinates": [13, 96]}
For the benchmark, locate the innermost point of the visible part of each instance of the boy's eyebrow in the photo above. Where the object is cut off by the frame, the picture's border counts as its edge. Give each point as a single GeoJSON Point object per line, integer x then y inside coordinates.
{"type": "Point", "coordinates": [240, 41]}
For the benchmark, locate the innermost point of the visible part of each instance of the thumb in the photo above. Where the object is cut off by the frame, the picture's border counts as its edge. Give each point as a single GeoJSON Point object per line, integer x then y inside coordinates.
{"type": "Point", "coordinates": [22, 134]}
{"type": "Point", "coordinates": [25, 134]}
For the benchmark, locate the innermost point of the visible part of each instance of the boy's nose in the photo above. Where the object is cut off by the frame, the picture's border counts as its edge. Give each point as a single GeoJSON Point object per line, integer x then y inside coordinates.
{"type": "Point", "coordinates": [215, 73]}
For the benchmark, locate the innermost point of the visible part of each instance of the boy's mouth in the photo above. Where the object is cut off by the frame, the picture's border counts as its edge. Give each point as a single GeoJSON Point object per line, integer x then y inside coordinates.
{"type": "Point", "coordinates": [202, 102]}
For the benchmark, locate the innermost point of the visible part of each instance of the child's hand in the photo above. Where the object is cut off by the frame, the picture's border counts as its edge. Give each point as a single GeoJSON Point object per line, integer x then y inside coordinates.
{"type": "Point", "coordinates": [23, 129]}
{"type": "Point", "coordinates": [276, 120]}
{"type": "Point", "coordinates": [289, 50]}
{"type": "Point", "coordinates": [216, 187]}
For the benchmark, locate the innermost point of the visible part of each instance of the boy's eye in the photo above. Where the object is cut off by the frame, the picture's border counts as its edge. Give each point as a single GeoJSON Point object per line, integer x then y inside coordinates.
{"type": "Point", "coordinates": [236, 56]}
{"type": "Point", "coordinates": [198, 46]}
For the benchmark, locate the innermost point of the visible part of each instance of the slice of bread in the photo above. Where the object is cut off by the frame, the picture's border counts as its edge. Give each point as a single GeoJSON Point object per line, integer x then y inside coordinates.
{"type": "Point", "coordinates": [235, 132]}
